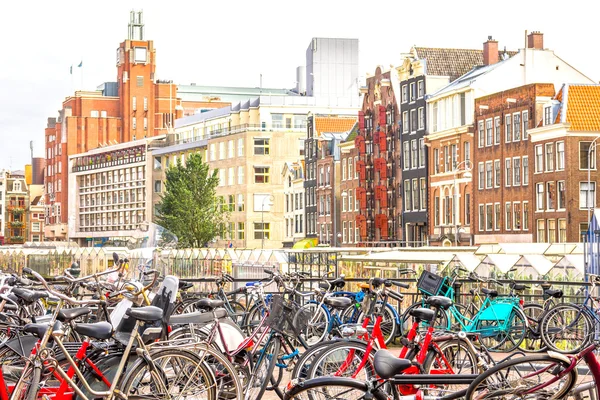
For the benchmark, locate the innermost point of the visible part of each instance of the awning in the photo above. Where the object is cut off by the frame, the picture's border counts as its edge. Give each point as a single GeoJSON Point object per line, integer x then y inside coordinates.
{"type": "Point", "coordinates": [306, 243]}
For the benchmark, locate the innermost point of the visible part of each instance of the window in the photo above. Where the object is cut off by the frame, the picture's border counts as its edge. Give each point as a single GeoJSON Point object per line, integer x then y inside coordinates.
{"type": "Point", "coordinates": [516, 127]}
{"type": "Point", "coordinates": [240, 147]}
{"type": "Point", "coordinates": [222, 154]}
{"type": "Point", "coordinates": [421, 153]}
{"type": "Point", "coordinates": [35, 227]}
{"type": "Point", "coordinates": [525, 215]}
{"type": "Point", "coordinates": [481, 217]}
{"type": "Point", "coordinates": [421, 90]}
{"type": "Point", "coordinates": [157, 186]}
{"type": "Point", "coordinates": [351, 201]}
{"type": "Point", "coordinates": [405, 122]}
{"type": "Point", "coordinates": [261, 147]}
{"type": "Point", "coordinates": [481, 135]}
{"type": "Point", "coordinates": [525, 124]}
{"type": "Point", "coordinates": [413, 92]}
{"type": "Point", "coordinates": [240, 202]}
{"type": "Point", "coordinates": [261, 175]}
{"type": "Point", "coordinates": [222, 177]}
{"type": "Point", "coordinates": [489, 133]}
{"type": "Point", "coordinates": [414, 154]}
{"type": "Point", "coordinates": [539, 158]}
{"type": "Point", "coordinates": [497, 181]}
{"type": "Point", "coordinates": [497, 130]}
{"type": "Point", "coordinates": [587, 156]}
{"type": "Point", "coordinates": [94, 114]}
{"type": "Point", "coordinates": [548, 115]}
{"type": "Point", "coordinates": [587, 195]}
{"type": "Point", "coordinates": [446, 159]}
{"type": "Point", "coordinates": [133, 123]}
{"type": "Point", "coordinates": [551, 230]}
{"type": "Point", "coordinates": [407, 197]}
{"type": "Point", "coordinates": [423, 194]}
{"type": "Point", "coordinates": [421, 118]}
{"type": "Point", "coordinates": [489, 217]}
{"type": "Point", "coordinates": [549, 157]}
{"type": "Point", "coordinates": [550, 195]}
{"type": "Point", "coordinates": [561, 195]}
{"type": "Point", "coordinates": [507, 172]}
{"type": "Point", "coordinates": [231, 176]}
{"type": "Point", "coordinates": [262, 230]}
{"type": "Point", "coordinates": [525, 179]}
{"type": "Point", "coordinates": [560, 156]}
{"type": "Point", "coordinates": [413, 121]}
{"type": "Point", "coordinates": [213, 152]}
{"type": "Point", "coordinates": [436, 211]}
{"type": "Point", "coordinates": [454, 155]}
{"type": "Point", "coordinates": [517, 216]}
{"type": "Point", "coordinates": [350, 168]}
{"type": "Point", "coordinates": [434, 117]}
{"type": "Point", "coordinates": [562, 231]}
{"type": "Point", "coordinates": [507, 129]}
{"type": "Point", "coordinates": [467, 151]}
{"type": "Point", "coordinates": [230, 146]}
{"type": "Point", "coordinates": [344, 167]}
{"type": "Point", "coordinates": [355, 167]}
{"type": "Point", "coordinates": [497, 216]}
{"type": "Point", "coordinates": [322, 176]}
{"type": "Point", "coordinates": [134, 103]}
{"type": "Point", "coordinates": [516, 171]}
{"type": "Point", "coordinates": [240, 175]}
{"type": "Point", "coordinates": [140, 81]}
{"type": "Point", "coordinates": [488, 175]}
{"type": "Point", "coordinates": [404, 93]}
{"type": "Point", "coordinates": [415, 194]}
{"type": "Point", "coordinates": [436, 161]}
{"type": "Point", "coordinates": [539, 199]}
{"type": "Point", "coordinates": [406, 156]}
{"type": "Point", "coordinates": [541, 230]}
{"type": "Point", "coordinates": [467, 208]}
{"type": "Point", "coordinates": [481, 175]}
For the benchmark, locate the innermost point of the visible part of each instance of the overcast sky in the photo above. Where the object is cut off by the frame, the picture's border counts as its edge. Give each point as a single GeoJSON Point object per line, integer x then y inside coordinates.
{"type": "Point", "coordinates": [232, 42]}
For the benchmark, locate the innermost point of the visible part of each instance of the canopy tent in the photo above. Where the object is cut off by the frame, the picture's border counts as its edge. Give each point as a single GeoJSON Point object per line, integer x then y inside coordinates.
{"type": "Point", "coordinates": [467, 260]}
{"type": "Point", "coordinates": [523, 248]}
{"type": "Point", "coordinates": [570, 268]}
{"type": "Point", "coordinates": [531, 267]}
{"type": "Point", "coordinates": [496, 265]}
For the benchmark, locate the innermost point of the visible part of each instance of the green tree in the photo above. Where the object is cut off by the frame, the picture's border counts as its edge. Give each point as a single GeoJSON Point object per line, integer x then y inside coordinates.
{"type": "Point", "coordinates": [189, 206]}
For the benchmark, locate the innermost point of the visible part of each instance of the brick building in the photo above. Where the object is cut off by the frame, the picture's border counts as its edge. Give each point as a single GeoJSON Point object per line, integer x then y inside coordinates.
{"type": "Point", "coordinates": [502, 163]}
{"type": "Point", "coordinates": [378, 161]}
{"type": "Point", "coordinates": [565, 172]}
{"type": "Point", "coordinates": [348, 186]}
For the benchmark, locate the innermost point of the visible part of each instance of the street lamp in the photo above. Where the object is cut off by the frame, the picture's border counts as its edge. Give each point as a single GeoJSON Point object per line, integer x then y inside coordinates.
{"type": "Point", "coordinates": [589, 183]}
{"type": "Point", "coordinates": [467, 174]}
{"type": "Point", "coordinates": [262, 214]}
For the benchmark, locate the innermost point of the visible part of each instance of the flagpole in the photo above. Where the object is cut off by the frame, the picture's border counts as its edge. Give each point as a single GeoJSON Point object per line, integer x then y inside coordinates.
{"type": "Point", "coordinates": [72, 83]}
{"type": "Point", "coordinates": [81, 66]}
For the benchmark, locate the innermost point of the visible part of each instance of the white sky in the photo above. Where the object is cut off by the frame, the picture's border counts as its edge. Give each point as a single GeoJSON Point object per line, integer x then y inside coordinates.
{"type": "Point", "coordinates": [232, 42]}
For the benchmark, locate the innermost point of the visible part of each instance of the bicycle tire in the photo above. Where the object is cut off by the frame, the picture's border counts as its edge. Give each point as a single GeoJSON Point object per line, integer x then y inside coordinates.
{"type": "Point", "coordinates": [567, 317]}
{"type": "Point", "coordinates": [533, 342]}
{"type": "Point", "coordinates": [457, 353]}
{"type": "Point", "coordinates": [263, 370]}
{"type": "Point", "coordinates": [389, 326]}
{"type": "Point", "coordinates": [343, 355]}
{"type": "Point", "coordinates": [302, 366]}
{"type": "Point", "coordinates": [527, 372]}
{"type": "Point", "coordinates": [320, 388]}
{"type": "Point", "coordinates": [193, 366]}
{"type": "Point", "coordinates": [318, 327]}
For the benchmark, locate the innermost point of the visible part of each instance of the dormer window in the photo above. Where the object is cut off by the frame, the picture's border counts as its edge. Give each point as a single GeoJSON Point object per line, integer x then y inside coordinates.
{"type": "Point", "coordinates": [548, 115]}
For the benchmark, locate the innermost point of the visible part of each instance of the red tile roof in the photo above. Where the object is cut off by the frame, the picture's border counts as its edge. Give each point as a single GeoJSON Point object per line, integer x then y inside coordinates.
{"type": "Point", "coordinates": [333, 124]}
{"type": "Point", "coordinates": [583, 107]}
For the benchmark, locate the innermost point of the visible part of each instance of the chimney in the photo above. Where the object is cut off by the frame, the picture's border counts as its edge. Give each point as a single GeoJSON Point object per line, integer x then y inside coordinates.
{"type": "Point", "coordinates": [535, 40]}
{"type": "Point", "coordinates": [490, 51]}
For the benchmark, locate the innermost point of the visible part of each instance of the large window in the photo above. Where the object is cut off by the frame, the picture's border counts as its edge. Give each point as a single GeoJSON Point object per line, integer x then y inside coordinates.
{"type": "Point", "coordinates": [405, 122]}
{"type": "Point", "coordinates": [541, 230]}
{"type": "Point", "coordinates": [497, 178]}
{"type": "Point", "coordinates": [549, 157]}
{"type": "Point", "coordinates": [421, 153]}
{"type": "Point", "coordinates": [261, 147]}
{"type": "Point", "coordinates": [481, 217]}
{"type": "Point", "coordinates": [467, 208]}
{"type": "Point", "coordinates": [436, 161]}
{"type": "Point", "coordinates": [481, 135]}
{"type": "Point", "coordinates": [587, 157]}
{"type": "Point", "coordinates": [436, 211]}
{"type": "Point", "coordinates": [525, 215]}
{"type": "Point", "coordinates": [497, 130]}
{"type": "Point", "coordinates": [413, 121]}
{"type": "Point", "coordinates": [488, 175]}
{"type": "Point", "coordinates": [414, 154]}
{"type": "Point", "coordinates": [516, 126]}
{"type": "Point", "coordinates": [497, 216]}
{"type": "Point", "coordinates": [406, 155]}
{"type": "Point", "coordinates": [525, 124]}
{"type": "Point", "coordinates": [489, 133]}
{"type": "Point", "coordinates": [525, 171]}
{"type": "Point", "coordinates": [423, 194]}
{"type": "Point", "coordinates": [539, 158]}
{"type": "Point", "coordinates": [421, 118]}
{"type": "Point", "coordinates": [262, 230]}
{"type": "Point", "coordinates": [407, 196]}
{"type": "Point", "coordinates": [507, 172]}
{"type": "Point", "coordinates": [261, 174]}
{"type": "Point", "coordinates": [561, 195]}
{"type": "Point", "coordinates": [507, 129]}
{"type": "Point", "coordinates": [587, 195]}
{"type": "Point", "coordinates": [560, 156]}
{"type": "Point", "coordinates": [516, 171]}
{"type": "Point", "coordinates": [481, 175]}
{"type": "Point", "coordinates": [240, 147]}
{"type": "Point", "coordinates": [507, 215]}
{"type": "Point", "coordinates": [467, 151]}
{"type": "Point", "coordinates": [415, 194]}
{"type": "Point", "coordinates": [562, 230]}
{"type": "Point", "coordinates": [539, 197]}
{"type": "Point", "coordinates": [489, 217]}
{"type": "Point", "coordinates": [551, 230]}
{"type": "Point", "coordinates": [517, 216]}
{"type": "Point", "coordinates": [550, 195]}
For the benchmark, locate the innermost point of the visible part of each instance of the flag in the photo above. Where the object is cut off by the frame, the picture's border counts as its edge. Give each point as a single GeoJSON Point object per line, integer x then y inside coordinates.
{"type": "Point", "coordinates": [80, 64]}
{"type": "Point", "coordinates": [71, 70]}
{"type": "Point", "coordinates": [230, 245]}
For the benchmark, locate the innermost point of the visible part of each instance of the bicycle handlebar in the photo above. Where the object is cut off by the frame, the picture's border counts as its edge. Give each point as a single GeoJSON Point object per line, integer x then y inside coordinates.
{"type": "Point", "coordinates": [68, 299]}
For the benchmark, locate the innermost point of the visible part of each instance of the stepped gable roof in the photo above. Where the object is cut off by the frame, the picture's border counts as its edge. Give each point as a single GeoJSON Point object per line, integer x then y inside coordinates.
{"type": "Point", "coordinates": [333, 124]}
{"type": "Point", "coordinates": [453, 62]}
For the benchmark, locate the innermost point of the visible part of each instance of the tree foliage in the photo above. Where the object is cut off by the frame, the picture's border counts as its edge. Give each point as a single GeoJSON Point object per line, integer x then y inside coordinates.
{"type": "Point", "coordinates": [189, 206]}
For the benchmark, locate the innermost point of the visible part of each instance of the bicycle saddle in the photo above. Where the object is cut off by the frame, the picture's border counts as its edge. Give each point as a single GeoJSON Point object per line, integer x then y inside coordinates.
{"type": "Point", "coordinates": [422, 314]}
{"type": "Point", "coordinates": [387, 365]}
{"type": "Point", "coordinates": [146, 314]}
{"type": "Point", "coordinates": [29, 296]}
{"type": "Point", "coordinates": [441, 302]}
{"type": "Point", "coordinates": [198, 317]}
{"type": "Point", "coordinates": [338, 302]}
{"type": "Point", "coordinates": [490, 292]}
{"type": "Point", "coordinates": [36, 329]}
{"type": "Point", "coordinates": [519, 286]}
{"type": "Point", "coordinates": [99, 330]}
{"type": "Point", "coordinates": [556, 293]}
{"type": "Point", "coordinates": [183, 285]}
{"type": "Point", "coordinates": [66, 315]}
{"type": "Point", "coordinates": [209, 303]}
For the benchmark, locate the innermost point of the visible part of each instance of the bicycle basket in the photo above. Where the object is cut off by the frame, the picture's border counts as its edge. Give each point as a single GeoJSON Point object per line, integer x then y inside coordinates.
{"type": "Point", "coordinates": [287, 317]}
{"type": "Point", "coordinates": [432, 284]}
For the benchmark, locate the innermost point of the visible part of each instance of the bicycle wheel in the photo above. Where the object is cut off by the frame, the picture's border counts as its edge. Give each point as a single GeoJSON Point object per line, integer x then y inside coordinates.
{"type": "Point", "coordinates": [318, 326]}
{"type": "Point", "coordinates": [330, 387]}
{"type": "Point", "coordinates": [303, 364]}
{"type": "Point", "coordinates": [441, 323]}
{"type": "Point", "coordinates": [530, 377]}
{"type": "Point", "coordinates": [239, 312]}
{"type": "Point", "coordinates": [263, 369]}
{"type": "Point", "coordinates": [566, 328]}
{"type": "Point", "coordinates": [533, 340]}
{"type": "Point", "coordinates": [451, 357]}
{"type": "Point", "coordinates": [228, 376]}
{"type": "Point", "coordinates": [344, 360]}
{"type": "Point", "coordinates": [501, 335]}
{"type": "Point", "coordinates": [388, 325]}
{"type": "Point", "coordinates": [252, 318]}
{"type": "Point", "coordinates": [179, 373]}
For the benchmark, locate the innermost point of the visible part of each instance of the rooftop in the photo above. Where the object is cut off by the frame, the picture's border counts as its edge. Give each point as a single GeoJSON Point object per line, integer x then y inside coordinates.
{"type": "Point", "coordinates": [333, 124]}
{"type": "Point", "coordinates": [582, 105]}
